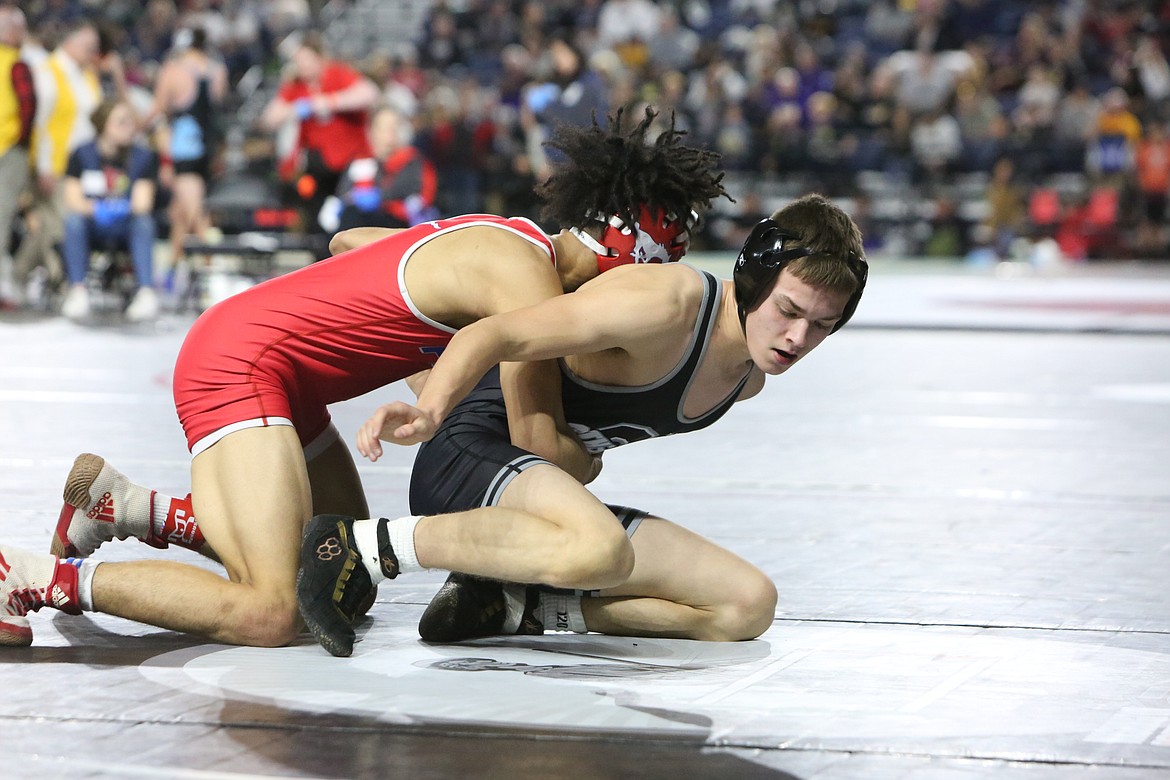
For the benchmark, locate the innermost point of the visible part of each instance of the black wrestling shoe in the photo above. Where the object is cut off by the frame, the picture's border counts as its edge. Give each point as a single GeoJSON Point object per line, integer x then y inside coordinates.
{"type": "Point", "coordinates": [469, 607]}
{"type": "Point", "coordinates": [333, 587]}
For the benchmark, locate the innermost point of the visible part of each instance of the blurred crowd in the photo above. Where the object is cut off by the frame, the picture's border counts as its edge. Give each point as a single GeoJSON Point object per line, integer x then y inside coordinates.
{"type": "Point", "coordinates": [990, 125]}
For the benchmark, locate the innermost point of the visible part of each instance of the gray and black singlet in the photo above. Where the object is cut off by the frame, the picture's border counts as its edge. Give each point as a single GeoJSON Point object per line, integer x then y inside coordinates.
{"type": "Point", "coordinates": [471, 459]}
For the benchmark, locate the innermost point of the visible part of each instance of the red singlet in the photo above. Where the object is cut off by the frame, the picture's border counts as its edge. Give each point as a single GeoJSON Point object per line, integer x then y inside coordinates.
{"type": "Point", "coordinates": [278, 353]}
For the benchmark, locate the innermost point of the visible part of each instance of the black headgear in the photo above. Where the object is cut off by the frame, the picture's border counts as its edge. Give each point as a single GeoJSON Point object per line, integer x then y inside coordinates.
{"type": "Point", "coordinates": [764, 256]}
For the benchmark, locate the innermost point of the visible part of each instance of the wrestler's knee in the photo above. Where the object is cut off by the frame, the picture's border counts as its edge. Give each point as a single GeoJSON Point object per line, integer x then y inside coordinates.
{"type": "Point", "coordinates": [263, 619]}
{"type": "Point", "coordinates": [747, 612]}
{"type": "Point", "coordinates": [598, 557]}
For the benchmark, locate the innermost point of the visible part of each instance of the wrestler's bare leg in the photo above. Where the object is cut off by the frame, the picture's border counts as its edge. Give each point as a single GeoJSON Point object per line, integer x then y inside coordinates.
{"type": "Point", "coordinates": [547, 528]}
{"type": "Point", "coordinates": [251, 495]}
{"type": "Point", "coordinates": [336, 486]}
{"type": "Point", "coordinates": [684, 586]}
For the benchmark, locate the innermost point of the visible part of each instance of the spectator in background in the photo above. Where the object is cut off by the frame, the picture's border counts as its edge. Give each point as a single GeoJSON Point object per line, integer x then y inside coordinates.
{"type": "Point", "coordinates": [283, 17]}
{"type": "Point", "coordinates": [734, 141]}
{"type": "Point", "coordinates": [1007, 210]}
{"type": "Point", "coordinates": [329, 101]}
{"type": "Point", "coordinates": [813, 77]}
{"type": "Point", "coordinates": [440, 47]}
{"type": "Point", "coordinates": [924, 81]}
{"type": "Point", "coordinates": [823, 143]}
{"type": "Point", "coordinates": [407, 81]}
{"type": "Point", "coordinates": [241, 45]}
{"type": "Point", "coordinates": [782, 142]}
{"type": "Point", "coordinates": [188, 93]}
{"type": "Point", "coordinates": [68, 91]}
{"type": "Point", "coordinates": [512, 173]}
{"type": "Point", "coordinates": [850, 89]}
{"type": "Point", "coordinates": [18, 105]}
{"type": "Point", "coordinates": [1073, 127]}
{"type": "Point", "coordinates": [1152, 166]}
{"type": "Point", "coordinates": [515, 74]}
{"type": "Point", "coordinates": [888, 25]}
{"type": "Point", "coordinates": [867, 222]}
{"type": "Point", "coordinates": [711, 91]}
{"type": "Point", "coordinates": [935, 142]}
{"type": "Point", "coordinates": [674, 46]}
{"type": "Point", "coordinates": [1040, 95]}
{"type": "Point", "coordinates": [154, 30]}
{"type": "Point", "coordinates": [947, 236]}
{"type": "Point", "coordinates": [981, 125]}
{"type": "Point", "coordinates": [783, 92]}
{"type": "Point", "coordinates": [493, 27]}
{"type": "Point", "coordinates": [1152, 73]}
{"type": "Point", "coordinates": [1115, 139]}
{"type": "Point", "coordinates": [729, 230]}
{"type": "Point", "coordinates": [395, 187]}
{"type": "Point", "coordinates": [621, 21]}
{"type": "Point", "coordinates": [109, 192]}
{"type": "Point", "coordinates": [204, 15]}
{"type": "Point", "coordinates": [456, 135]}
{"type": "Point", "coordinates": [574, 93]}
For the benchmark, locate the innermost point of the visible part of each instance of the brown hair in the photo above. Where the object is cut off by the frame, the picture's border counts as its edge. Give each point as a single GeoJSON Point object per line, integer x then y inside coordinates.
{"type": "Point", "coordinates": [101, 114]}
{"type": "Point", "coordinates": [832, 235]}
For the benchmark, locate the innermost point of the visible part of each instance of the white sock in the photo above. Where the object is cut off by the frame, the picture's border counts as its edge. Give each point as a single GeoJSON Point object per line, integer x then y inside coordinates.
{"type": "Point", "coordinates": [401, 533]}
{"type": "Point", "coordinates": [515, 599]}
{"type": "Point", "coordinates": [160, 512]}
{"type": "Point", "coordinates": [85, 574]}
{"type": "Point", "coordinates": [561, 612]}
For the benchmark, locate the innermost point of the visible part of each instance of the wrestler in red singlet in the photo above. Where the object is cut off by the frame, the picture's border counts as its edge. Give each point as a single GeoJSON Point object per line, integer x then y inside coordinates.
{"type": "Point", "coordinates": [279, 352]}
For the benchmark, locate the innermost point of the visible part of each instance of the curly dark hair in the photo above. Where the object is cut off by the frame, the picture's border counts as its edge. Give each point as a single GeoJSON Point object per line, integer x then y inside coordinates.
{"type": "Point", "coordinates": [612, 171]}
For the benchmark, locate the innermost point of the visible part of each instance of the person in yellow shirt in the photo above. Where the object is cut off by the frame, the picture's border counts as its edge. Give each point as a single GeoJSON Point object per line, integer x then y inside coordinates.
{"type": "Point", "coordinates": [1114, 144]}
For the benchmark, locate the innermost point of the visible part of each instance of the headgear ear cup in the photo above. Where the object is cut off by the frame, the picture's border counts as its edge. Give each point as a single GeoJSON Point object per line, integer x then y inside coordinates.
{"type": "Point", "coordinates": [655, 237]}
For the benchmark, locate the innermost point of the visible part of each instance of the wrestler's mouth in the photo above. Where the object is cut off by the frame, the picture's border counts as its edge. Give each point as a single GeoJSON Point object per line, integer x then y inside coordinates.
{"type": "Point", "coordinates": [783, 356]}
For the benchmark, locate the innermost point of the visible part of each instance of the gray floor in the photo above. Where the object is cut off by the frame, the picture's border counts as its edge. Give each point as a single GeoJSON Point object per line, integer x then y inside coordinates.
{"type": "Point", "coordinates": [964, 501]}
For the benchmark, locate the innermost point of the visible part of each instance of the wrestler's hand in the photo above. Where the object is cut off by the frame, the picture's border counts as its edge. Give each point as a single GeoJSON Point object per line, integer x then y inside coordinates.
{"type": "Point", "coordinates": [396, 422]}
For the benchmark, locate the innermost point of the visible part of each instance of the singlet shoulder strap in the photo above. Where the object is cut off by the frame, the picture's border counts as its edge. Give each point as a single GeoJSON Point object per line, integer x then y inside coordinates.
{"type": "Point", "coordinates": [704, 323]}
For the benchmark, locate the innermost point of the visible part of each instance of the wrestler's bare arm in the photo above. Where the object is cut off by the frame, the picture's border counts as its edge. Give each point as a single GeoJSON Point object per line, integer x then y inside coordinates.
{"type": "Point", "coordinates": [474, 273]}
{"type": "Point", "coordinates": [540, 427]}
{"type": "Point", "coordinates": [631, 304]}
{"type": "Point", "coordinates": [416, 382]}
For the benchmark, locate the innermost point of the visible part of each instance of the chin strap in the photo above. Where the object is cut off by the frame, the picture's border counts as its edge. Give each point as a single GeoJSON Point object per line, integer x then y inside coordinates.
{"type": "Point", "coordinates": [592, 243]}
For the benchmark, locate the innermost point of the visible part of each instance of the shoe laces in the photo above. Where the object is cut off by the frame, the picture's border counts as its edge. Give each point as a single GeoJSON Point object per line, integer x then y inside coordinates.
{"type": "Point", "coordinates": [21, 601]}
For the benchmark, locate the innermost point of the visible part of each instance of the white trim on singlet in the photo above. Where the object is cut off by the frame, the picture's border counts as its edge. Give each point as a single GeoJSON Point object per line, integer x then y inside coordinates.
{"type": "Point", "coordinates": [703, 354]}
{"type": "Point", "coordinates": [324, 440]}
{"type": "Point", "coordinates": [450, 229]}
{"type": "Point", "coordinates": [257, 422]}
{"type": "Point", "coordinates": [508, 472]}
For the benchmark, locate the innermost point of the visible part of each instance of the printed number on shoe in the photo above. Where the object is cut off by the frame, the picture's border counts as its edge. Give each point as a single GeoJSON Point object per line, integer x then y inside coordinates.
{"type": "Point", "coordinates": [469, 607]}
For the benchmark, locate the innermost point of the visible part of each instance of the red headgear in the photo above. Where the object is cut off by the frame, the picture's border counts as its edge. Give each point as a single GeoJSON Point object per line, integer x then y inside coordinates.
{"type": "Point", "coordinates": [656, 237]}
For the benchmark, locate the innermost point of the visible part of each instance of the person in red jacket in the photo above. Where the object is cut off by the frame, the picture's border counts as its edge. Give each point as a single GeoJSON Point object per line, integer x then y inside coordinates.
{"type": "Point", "coordinates": [330, 101]}
{"type": "Point", "coordinates": [1152, 170]}
{"type": "Point", "coordinates": [393, 188]}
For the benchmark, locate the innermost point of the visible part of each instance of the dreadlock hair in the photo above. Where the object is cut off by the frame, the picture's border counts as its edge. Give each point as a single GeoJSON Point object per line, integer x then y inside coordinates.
{"type": "Point", "coordinates": [608, 171]}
